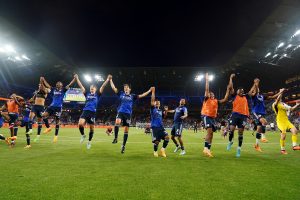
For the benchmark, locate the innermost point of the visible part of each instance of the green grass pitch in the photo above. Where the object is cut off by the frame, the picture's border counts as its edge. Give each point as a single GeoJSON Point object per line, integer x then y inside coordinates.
{"type": "Point", "coordinates": [67, 170]}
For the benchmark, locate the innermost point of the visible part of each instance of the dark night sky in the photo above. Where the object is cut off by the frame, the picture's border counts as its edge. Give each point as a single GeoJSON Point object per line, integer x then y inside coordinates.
{"type": "Point", "coordinates": [140, 33]}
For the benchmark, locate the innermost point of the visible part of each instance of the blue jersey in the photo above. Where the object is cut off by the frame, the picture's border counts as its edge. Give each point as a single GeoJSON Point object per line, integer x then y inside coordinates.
{"type": "Point", "coordinates": [57, 97]}
{"type": "Point", "coordinates": [179, 112]}
{"type": "Point", "coordinates": [156, 117]}
{"type": "Point", "coordinates": [126, 102]}
{"type": "Point", "coordinates": [26, 113]}
{"type": "Point", "coordinates": [258, 104]}
{"type": "Point", "coordinates": [91, 102]}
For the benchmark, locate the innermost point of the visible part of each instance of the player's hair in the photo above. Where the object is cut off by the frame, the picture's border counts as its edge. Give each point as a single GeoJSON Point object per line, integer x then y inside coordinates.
{"type": "Point", "coordinates": [127, 84]}
{"type": "Point", "coordinates": [93, 85]}
{"type": "Point", "coordinates": [240, 88]}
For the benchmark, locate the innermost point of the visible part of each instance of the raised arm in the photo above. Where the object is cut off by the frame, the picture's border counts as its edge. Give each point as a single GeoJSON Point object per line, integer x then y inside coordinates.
{"type": "Point", "coordinates": [254, 89]}
{"type": "Point", "coordinates": [231, 90]}
{"type": "Point", "coordinates": [227, 91]}
{"type": "Point", "coordinates": [167, 110]}
{"type": "Point", "coordinates": [113, 87]}
{"type": "Point", "coordinates": [153, 96]}
{"type": "Point", "coordinates": [206, 94]}
{"type": "Point", "coordinates": [295, 106]}
{"type": "Point", "coordinates": [45, 82]}
{"type": "Point", "coordinates": [275, 95]}
{"type": "Point", "coordinates": [279, 96]}
{"type": "Point", "coordinates": [71, 83]}
{"type": "Point", "coordinates": [145, 93]}
{"type": "Point", "coordinates": [43, 87]}
{"type": "Point", "coordinates": [104, 84]}
{"type": "Point", "coordinates": [15, 98]}
{"type": "Point", "coordinates": [79, 83]}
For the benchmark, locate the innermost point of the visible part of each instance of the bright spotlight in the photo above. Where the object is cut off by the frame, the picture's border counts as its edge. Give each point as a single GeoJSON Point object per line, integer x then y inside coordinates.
{"type": "Point", "coordinates": [285, 55]}
{"type": "Point", "coordinates": [289, 46]}
{"type": "Point", "coordinates": [18, 58]}
{"type": "Point", "coordinates": [268, 54]}
{"type": "Point", "coordinates": [275, 55]}
{"type": "Point", "coordinates": [199, 77]}
{"type": "Point", "coordinates": [88, 78]}
{"type": "Point", "coordinates": [280, 45]}
{"type": "Point", "coordinates": [99, 77]}
{"type": "Point", "coordinates": [2, 50]}
{"type": "Point", "coordinates": [9, 49]}
{"type": "Point", "coordinates": [211, 77]}
{"type": "Point", "coordinates": [25, 57]}
{"type": "Point", "coordinates": [296, 33]}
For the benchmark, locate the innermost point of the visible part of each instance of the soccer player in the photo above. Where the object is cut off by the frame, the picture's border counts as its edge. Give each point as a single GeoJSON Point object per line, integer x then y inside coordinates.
{"type": "Point", "coordinates": [37, 109]}
{"type": "Point", "coordinates": [181, 113]}
{"type": "Point", "coordinates": [25, 122]}
{"type": "Point", "coordinates": [89, 111]}
{"type": "Point", "coordinates": [209, 113]}
{"type": "Point", "coordinates": [55, 107]}
{"type": "Point", "coordinates": [12, 106]}
{"type": "Point", "coordinates": [195, 126]}
{"type": "Point", "coordinates": [124, 110]}
{"type": "Point", "coordinates": [6, 139]}
{"type": "Point", "coordinates": [259, 112]}
{"type": "Point", "coordinates": [109, 131]}
{"type": "Point", "coordinates": [239, 116]}
{"type": "Point", "coordinates": [158, 131]}
{"type": "Point", "coordinates": [282, 111]}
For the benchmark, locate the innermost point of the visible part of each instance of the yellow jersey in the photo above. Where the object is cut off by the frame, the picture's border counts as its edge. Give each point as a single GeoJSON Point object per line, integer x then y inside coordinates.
{"type": "Point", "coordinates": [282, 111]}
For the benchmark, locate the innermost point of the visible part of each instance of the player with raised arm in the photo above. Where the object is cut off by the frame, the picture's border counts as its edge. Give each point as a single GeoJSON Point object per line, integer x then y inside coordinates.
{"type": "Point", "coordinates": [282, 111]}
{"type": "Point", "coordinates": [39, 99]}
{"type": "Point", "coordinates": [55, 107]}
{"type": "Point", "coordinates": [124, 110]}
{"type": "Point", "coordinates": [259, 112]}
{"type": "Point", "coordinates": [89, 111]}
{"type": "Point", "coordinates": [240, 113]}
{"type": "Point", "coordinates": [158, 131]}
{"type": "Point", "coordinates": [181, 113]}
{"type": "Point", "coordinates": [209, 113]}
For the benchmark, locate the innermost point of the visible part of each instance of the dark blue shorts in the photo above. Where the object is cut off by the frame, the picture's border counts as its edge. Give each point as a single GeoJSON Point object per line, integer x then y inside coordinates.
{"type": "Point", "coordinates": [13, 117]}
{"type": "Point", "coordinates": [257, 118]}
{"type": "Point", "coordinates": [125, 118]}
{"type": "Point", "coordinates": [238, 120]}
{"type": "Point", "coordinates": [54, 111]}
{"type": "Point", "coordinates": [38, 110]}
{"type": "Point", "coordinates": [209, 122]}
{"type": "Point", "coordinates": [89, 116]}
{"type": "Point", "coordinates": [177, 129]}
{"type": "Point", "coordinates": [158, 133]}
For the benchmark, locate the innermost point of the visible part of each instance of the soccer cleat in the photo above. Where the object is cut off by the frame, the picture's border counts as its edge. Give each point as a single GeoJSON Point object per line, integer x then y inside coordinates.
{"type": "Point", "coordinates": [88, 145]}
{"type": "Point", "coordinates": [182, 152]}
{"type": "Point", "coordinates": [162, 153]}
{"type": "Point", "coordinates": [257, 148]}
{"type": "Point", "coordinates": [29, 132]}
{"type": "Point", "coordinates": [238, 153]}
{"type": "Point", "coordinates": [7, 140]}
{"type": "Point", "coordinates": [229, 146]}
{"type": "Point", "coordinates": [264, 140]}
{"type": "Point", "coordinates": [207, 153]}
{"type": "Point", "coordinates": [12, 144]}
{"type": "Point", "coordinates": [296, 148]}
{"type": "Point", "coordinates": [283, 152]}
{"type": "Point", "coordinates": [27, 147]}
{"type": "Point", "coordinates": [82, 139]}
{"type": "Point", "coordinates": [177, 149]}
{"type": "Point", "coordinates": [55, 139]}
{"type": "Point", "coordinates": [47, 130]}
{"type": "Point", "coordinates": [122, 149]}
{"type": "Point", "coordinates": [155, 154]}
{"type": "Point", "coordinates": [115, 141]}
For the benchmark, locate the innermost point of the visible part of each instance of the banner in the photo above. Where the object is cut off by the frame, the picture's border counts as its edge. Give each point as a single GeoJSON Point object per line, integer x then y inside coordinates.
{"type": "Point", "coordinates": [74, 94]}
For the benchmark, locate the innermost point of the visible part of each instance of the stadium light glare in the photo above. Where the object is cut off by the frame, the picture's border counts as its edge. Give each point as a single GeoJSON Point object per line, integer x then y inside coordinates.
{"type": "Point", "coordinates": [275, 55]}
{"type": "Point", "coordinates": [2, 50]}
{"type": "Point", "coordinates": [280, 45]}
{"type": "Point", "coordinates": [18, 58]}
{"type": "Point", "coordinates": [10, 49]}
{"type": "Point", "coordinates": [296, 33]}
{"type": "Point", "coordinates": [289, 46]}
{"type": "Point", "coordinates": [87, 78]}
{"type": "Point", "coordinates": [25, 57]}
{"type": "Point", "coordinates": [199, 77]}
{"type": "Point", "coordinates": [99, 77]}
{"type": "Point", "coordinates": [268, 54]}
{"type": "Point", "coordinates": [211, 77]}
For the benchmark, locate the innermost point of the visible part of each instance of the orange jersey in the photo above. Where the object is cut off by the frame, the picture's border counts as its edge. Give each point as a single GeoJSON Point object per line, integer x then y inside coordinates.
{"type": "Point", "coordinates": [210, 108]}
{"type": "Point", "coordinates": [12, 106]}
{"type": "Point", "coordinates": [240, 105]}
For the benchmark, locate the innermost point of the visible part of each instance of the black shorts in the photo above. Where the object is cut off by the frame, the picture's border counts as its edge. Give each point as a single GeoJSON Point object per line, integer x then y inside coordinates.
{"type": "Point", "coordinates": [13, 117]}
{"type": "Point", "coordinates": [37, 110]}
{"type": "Point", "coordinates": [89, 116]}
{"type": "Point", "coordinates": [257, 118]}
{"type": "Point", "coordinates": [158, 133]}
{"type": "Point", "coordinates": [209, 122]}
{"type": "Point", "coordinates": [238, 120]}
{"type": "Point", "coordinates": [177, 129]}
{"type": "Point", "coordinates": [54, 111]}
{"type": "Point", "coordinates": [125, 118]}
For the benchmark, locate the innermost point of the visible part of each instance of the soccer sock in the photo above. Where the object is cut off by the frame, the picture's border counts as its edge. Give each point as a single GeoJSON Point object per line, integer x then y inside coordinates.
{"type": "Point", "coordinates": [182, 148]}
{"type": "Point", "coordinates": [28, 139]}
{"type": "Point", "coordinates": [263, 135]}
{"type": "Point", "coordinates": [282, 144]}
{"type": "Point", "coordinates": [2, 137]}
{"type": "Point", "coordinates": [125, 138]}
{"type": "Point", "coordinates": [294, 139]}
{"type": "Point", "coordinates": [30, 124]}
{"type": "Point", "coordinates": [116, 132]}
{"type": "Point", "coordinates": [81, 129]}
{"type": "Point", "coordinates": [241, 137]}
{"type": "Point", "coordinates": [231, 134]}
{"type": "Point", "coordinates": [46, 122]}
{"type": "Point", "coordinates": [56, 129]}
{"type": "Point", "coordinates": [206, 145]}
{"type": "Point", "coordinates": [258, 137]}
{"type": "Point", "coordinates": [16, 130]}
{"type": "Point", "coordinates": [39, 128]}
{"type": "Point", "coordinates": [155, 147]}
{"type": "Point", "coordinates": [165, 144]}
{"type": "Point", "coordinates": [27, 126]}
{"type": "Point", "coordinates": [91, 135]}
{"type": "Point", "coordinates": [175, 142]}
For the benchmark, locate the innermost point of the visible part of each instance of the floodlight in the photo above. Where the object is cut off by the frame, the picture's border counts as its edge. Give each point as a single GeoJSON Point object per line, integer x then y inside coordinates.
{"type": "Point", "coordinates": [268, 54]}
{"type": "Point", "coordinates": [87, 78]}
{"type": "Point", "coordinates": [8, 48]}
{"type": "Point", "coordinates": [99, 77]}
{"type": "Point", "coordinates": [280, 45]}
{"type": "Point", "coordinates": [199, 77]}
{"type": "Point", "coordinates": [25, 57]}
{"type": "Point", "coordinates": [275, 55]}
{"type": "Point", "coordinates": [296, 33]}
{"type": "Point", "coordinates": [211, 77]}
